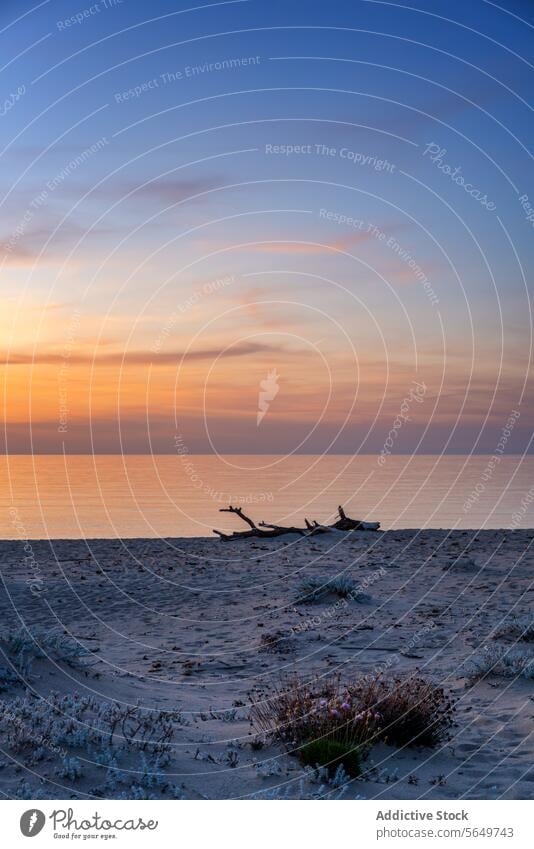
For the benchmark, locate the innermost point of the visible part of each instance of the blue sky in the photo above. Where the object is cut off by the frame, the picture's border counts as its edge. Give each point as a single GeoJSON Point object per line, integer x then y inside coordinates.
{"type": "Point", "coordinates": [314, 155]}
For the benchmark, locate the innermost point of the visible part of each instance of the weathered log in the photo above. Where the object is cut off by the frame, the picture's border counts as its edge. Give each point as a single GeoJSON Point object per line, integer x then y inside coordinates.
{"type": "Point", "coordinates": [235, 534]}
{"type": "Point", "coordinates": [309, 531]}
{"type": "Point", "coordinates": [267, 530]}
{"type": "Point", "coordinates": [344, 523]}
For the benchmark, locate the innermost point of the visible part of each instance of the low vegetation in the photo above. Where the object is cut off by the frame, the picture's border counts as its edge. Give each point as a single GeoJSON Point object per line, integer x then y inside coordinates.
{"type": "Point", "coordinates": [517, 628]}
{"type": "Point", "coordinates": [328, 724]}
{"type": "Point", "coordinates": [332, 754]}
{"type": "Point", "coordinates": [499, 660]}
{"type": "Point", "coordinates": [277, 642]}
{"type": "Point", "coordinates": [413, 711]}
{"type": "Point", "coordinates": [25, 645]}
{"type": "Point", "coordinates": [315, 588]}
{"type": "Point", "coordinates": [82, 734]}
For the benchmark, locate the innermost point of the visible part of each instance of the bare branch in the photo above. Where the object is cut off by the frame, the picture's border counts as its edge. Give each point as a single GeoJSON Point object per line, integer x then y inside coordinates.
{"type": "Point", "coordinates": [239, 512]}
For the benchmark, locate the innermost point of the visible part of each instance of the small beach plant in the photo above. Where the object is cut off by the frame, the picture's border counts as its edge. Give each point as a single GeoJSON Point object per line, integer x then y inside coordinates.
{"type": "Point", "coordinates": [517, 628]}
{"type": "Point", "coordinates": [499, 660]}
{"type": "Point", "coordinates": [315, 588]}
{"type": "Point", "coordinates": [25, 645]}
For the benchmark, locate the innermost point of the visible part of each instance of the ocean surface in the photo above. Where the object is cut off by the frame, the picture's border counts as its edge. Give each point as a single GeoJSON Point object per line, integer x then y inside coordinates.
{"type": "Point", "coordinates": [173, 496]}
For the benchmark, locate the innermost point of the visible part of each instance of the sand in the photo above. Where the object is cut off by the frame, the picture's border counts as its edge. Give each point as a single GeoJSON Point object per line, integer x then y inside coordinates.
{"type": "Point", "coordinates": [178, 624]}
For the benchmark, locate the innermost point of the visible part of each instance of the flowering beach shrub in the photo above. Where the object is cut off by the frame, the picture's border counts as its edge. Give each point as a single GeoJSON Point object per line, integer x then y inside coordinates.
{"type": "Point", "coordinates": [338, 723]}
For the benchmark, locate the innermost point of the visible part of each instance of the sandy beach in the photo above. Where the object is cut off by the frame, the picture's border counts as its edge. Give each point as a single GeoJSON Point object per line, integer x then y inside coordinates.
{"type": "Point", "coordinates": [199, 629]}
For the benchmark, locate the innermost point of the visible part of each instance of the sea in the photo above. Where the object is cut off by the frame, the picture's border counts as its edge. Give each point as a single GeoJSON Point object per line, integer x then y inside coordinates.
{"type": "Point", "coordinates": [112, 496]}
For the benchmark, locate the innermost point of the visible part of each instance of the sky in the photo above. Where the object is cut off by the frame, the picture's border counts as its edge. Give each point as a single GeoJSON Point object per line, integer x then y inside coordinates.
{"type": "Point", "coordinates": [317, 212]}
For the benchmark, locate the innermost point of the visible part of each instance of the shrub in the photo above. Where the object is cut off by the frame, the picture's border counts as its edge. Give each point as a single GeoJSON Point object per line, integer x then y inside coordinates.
{"type": "Point", "coordinates": [75, 730]}
{"type": "Point", "coordinates": [136, 792]}
{"type": "Point", "coordinates": [75, 721]}
{"type": "Point", "coordinates": [517, 628]}
{"type": "Point", "coordinates": [25, 790]}
{"type": "Point", "coordinates": [403, 711]}
{"type": "Point", "coordinates": [268, 769]}
{"type": "Point", "coordinates": [7, 678]}
{"type": "Point", "coordinates": [277, 642]}
{"type": "Point", "coordinates": [299, 713]}
{"type": "Point", "coordinates": [331, 754]}
{"type": "Point", "coordinates": [314, 588]}
{"type": "Point", "coordinates": [149, 772]}
{"type": "Point", "coordinates": [38, 643]}
{"type": "Point", "coordinates": [413, 711]}
{"type": "Point", "coordinates": [70, 768]}
{"type": "Point", "coordinates": [499, 660]}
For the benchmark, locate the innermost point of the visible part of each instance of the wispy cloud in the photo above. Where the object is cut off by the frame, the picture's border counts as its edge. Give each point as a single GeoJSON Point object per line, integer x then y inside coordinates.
{"type": "Point", "coordinates": [163, 191]}
{"type": "Point", "coordinates": [307, 248]}
{"type": "Point", "coordinates": [118, 358]}
{"type": "Point", "coordinates": [48, 243]}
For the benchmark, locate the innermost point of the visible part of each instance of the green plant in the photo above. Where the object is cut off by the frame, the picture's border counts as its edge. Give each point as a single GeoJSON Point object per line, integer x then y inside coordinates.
{"type": "Point", "coordinates": [330, 754]}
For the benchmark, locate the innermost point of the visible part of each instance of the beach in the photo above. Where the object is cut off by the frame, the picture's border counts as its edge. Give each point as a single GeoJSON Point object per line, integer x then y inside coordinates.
{"type": "Point", "coordinates": [198, 629]}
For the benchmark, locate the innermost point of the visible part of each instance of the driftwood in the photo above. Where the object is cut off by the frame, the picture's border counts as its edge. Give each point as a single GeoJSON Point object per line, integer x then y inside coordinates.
{"type": "Point", "coordinates": [266, 530]}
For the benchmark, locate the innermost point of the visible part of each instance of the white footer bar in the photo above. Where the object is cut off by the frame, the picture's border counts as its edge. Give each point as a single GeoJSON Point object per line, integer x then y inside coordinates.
{"type": "Point", "coordinates": [268, 824]}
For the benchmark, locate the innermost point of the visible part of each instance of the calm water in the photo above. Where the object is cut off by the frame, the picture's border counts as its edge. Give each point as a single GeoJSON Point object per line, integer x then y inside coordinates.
{"type": "Point", "coordinates": [144, 496]}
